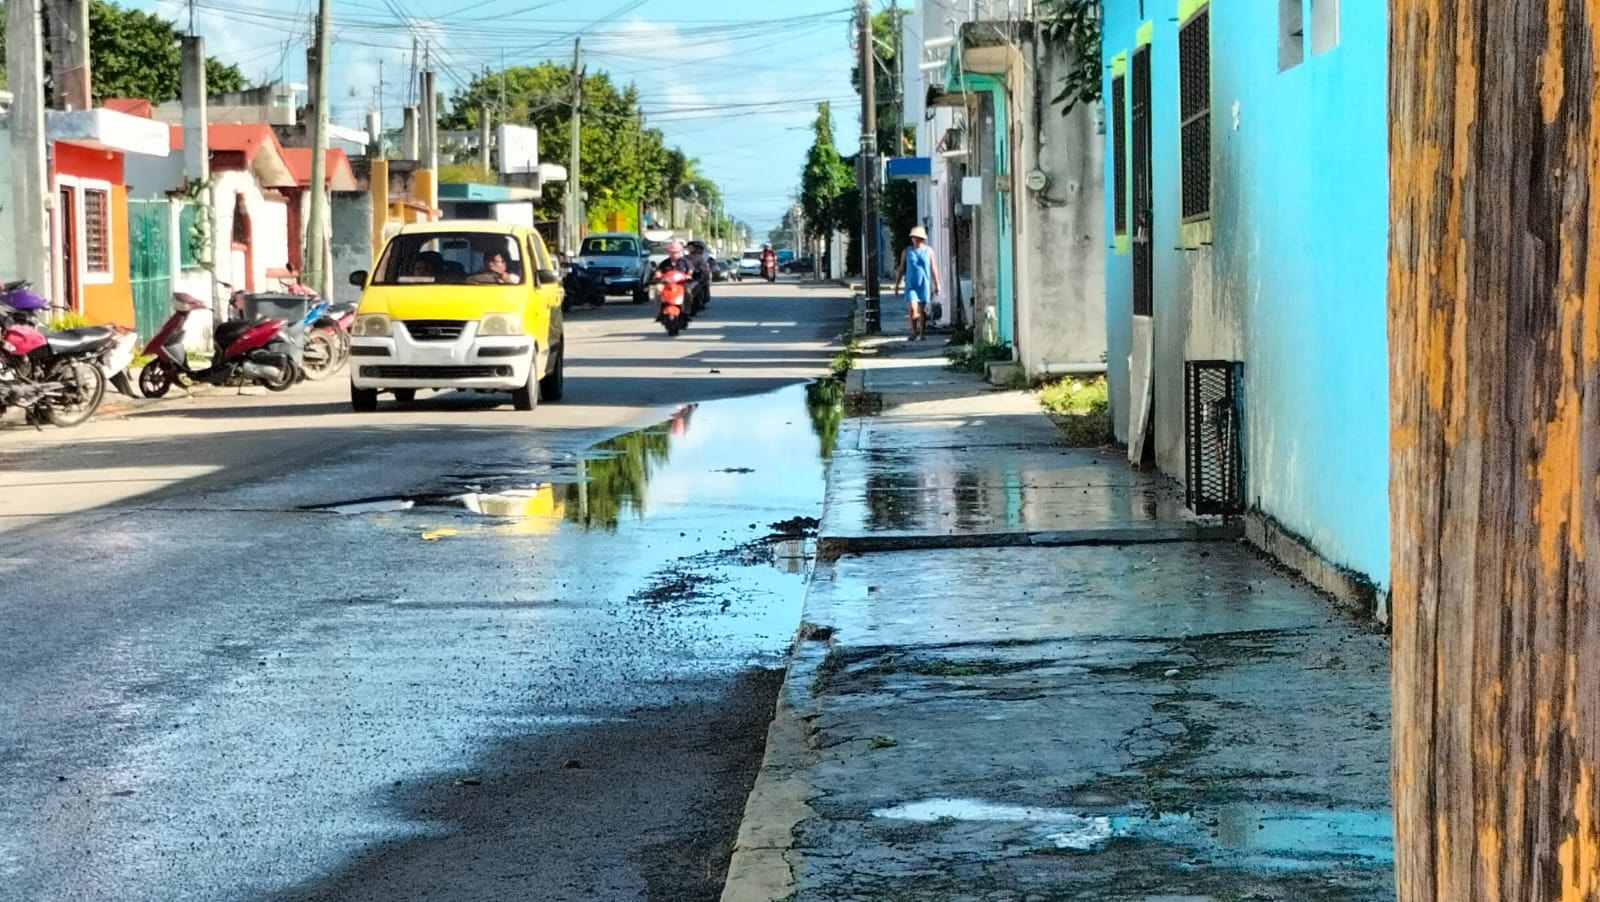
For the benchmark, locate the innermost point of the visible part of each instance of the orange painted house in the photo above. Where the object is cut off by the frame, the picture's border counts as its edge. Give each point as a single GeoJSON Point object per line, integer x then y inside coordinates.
{"type": "Point", "coordinates": [89, 225]}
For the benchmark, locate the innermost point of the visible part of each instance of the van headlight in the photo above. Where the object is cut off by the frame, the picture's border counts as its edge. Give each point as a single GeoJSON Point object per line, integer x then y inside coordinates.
{"type": "Point", "coordinates": [500, 324]}
{"type": "Point", "coordinates": [371, 325]}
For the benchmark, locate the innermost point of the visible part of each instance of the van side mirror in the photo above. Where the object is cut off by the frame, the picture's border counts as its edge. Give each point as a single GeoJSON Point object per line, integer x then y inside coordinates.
{"type": "Point", "coordinates": [548, 277]}
{"type": "Point", "coordinates": [359, 278]}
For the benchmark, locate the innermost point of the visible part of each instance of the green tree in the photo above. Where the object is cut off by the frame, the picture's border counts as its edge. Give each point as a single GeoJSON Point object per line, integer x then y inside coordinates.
{"type": "Point", "coordinates": [1076, 25]}
{"type": "Point", "coordinates": [825, 178]}
{"type": "Point", "coordinates": [623, 164]}
{"type": "Point", "coordinates": [133, 53]}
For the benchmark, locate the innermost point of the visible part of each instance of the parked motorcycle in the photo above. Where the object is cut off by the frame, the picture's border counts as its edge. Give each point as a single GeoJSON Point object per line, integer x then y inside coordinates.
{"type": "Point", "coordinates": [583, 285]}
{"type": "Point", "coordinates": [54, 376]}
{"type": "Point", "coordinates": [246, 350]}
{"type": "Point", "coordinates": [22, 305]}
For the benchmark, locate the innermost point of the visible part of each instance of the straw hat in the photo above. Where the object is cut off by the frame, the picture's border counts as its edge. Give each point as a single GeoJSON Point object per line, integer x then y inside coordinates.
{"type": "Point", "coordinates": [919, 232]}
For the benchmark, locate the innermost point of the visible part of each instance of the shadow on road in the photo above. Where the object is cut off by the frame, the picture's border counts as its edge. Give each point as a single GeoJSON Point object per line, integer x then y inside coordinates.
{"type": "Point", "coordinates": [554, 816]}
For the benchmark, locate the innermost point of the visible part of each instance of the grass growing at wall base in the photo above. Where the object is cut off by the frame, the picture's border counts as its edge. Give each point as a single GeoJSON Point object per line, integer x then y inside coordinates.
{"type": "Point", "coordinates": [975, 357]}
{"type": "Point", "coordinates": [1081, 407]}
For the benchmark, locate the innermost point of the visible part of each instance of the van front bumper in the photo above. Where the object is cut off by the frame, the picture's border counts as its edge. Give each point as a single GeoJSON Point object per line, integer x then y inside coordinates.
{"type": "Point", "coordinates": [471, 361]}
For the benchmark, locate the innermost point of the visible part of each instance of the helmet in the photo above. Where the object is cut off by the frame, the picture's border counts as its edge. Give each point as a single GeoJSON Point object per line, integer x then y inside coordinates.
{"type": "Point", "coordinates": [26, 299]}
{"type": "Point", "coordinates": [674, 247]}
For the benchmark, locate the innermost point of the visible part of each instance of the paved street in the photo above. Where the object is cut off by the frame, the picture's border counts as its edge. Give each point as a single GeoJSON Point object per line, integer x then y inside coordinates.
{"type": "Point", "coordinates": [260, 647]}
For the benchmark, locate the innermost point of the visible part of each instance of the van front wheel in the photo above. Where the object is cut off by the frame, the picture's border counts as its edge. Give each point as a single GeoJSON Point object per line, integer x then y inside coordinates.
{"type": "Point", "coordinates": [527, 397]}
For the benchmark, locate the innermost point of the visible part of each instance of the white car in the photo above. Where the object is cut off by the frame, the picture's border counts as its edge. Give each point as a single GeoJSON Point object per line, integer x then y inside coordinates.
{"type": "Point", "coordinates": [750, 264]}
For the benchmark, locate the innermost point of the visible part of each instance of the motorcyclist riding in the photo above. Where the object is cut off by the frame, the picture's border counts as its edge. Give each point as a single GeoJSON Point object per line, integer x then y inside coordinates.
{"type": "Point", "coordinates": [675, 262]}
{"type": "Point", "coordinates": [701, 263]}
{"type": "Point", "coordinates": [769, 262]}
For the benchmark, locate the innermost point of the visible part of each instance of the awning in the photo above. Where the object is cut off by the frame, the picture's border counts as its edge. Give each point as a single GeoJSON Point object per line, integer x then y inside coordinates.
{"type": "Point", "coordinates": [103, 129]}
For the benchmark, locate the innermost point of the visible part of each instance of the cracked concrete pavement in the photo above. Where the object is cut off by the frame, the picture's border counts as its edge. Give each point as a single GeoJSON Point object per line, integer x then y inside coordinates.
{"type": "Point", "coordinates": [1136, 707]}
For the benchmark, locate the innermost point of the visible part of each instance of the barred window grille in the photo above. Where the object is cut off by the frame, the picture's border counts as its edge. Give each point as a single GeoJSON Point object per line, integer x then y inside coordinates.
{"type": "Point", "coordinates": [1194, 90]}
{"type": "Point", "coordinates": [1119, 153]}
{"type": "Point", "coordinates": [97, 231]}
{"type": "Point", "coordinates": [1213, 460]}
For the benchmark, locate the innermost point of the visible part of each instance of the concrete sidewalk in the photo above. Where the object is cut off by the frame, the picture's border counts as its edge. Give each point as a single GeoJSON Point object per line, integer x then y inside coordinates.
{"type": "Point", "coordinates": [1026, 674]}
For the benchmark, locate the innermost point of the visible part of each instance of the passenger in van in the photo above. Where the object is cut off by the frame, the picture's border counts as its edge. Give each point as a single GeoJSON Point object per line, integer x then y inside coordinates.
{"type": "Point", "coordinates": [426, 266]}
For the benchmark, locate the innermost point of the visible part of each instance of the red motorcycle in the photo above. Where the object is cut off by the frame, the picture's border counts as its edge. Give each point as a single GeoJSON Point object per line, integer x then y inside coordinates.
{"type": "Point", "coordinates": [257, 351]}
{"type": "Point", "coordinates": [670, 288]}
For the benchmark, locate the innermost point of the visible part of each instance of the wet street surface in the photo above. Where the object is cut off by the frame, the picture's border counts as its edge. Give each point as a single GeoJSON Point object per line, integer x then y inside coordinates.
{"type": "Point", "coordinates": [258, 647]}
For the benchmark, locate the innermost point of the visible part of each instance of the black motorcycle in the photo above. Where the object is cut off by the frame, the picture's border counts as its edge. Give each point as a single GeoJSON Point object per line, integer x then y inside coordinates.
{"type": "Point", "coordinates": [583, 285]}
{"type": "Point", "coordinates": [55, 376]}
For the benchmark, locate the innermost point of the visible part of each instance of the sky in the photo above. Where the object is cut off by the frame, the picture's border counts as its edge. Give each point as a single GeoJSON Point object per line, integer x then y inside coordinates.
{"type": "Point", "coordinates": [733, 83]}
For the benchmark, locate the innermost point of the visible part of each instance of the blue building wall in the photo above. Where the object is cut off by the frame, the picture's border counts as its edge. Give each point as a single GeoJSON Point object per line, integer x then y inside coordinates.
{"type": "Point", "coordinates": [1297, 273]}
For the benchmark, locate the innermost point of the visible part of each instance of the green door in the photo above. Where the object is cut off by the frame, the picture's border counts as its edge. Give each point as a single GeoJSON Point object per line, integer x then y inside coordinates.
{"type": "Point", "coordinates": [150, 263]}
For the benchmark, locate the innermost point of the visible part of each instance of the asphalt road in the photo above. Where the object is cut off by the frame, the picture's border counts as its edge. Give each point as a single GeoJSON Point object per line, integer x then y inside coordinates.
{"type": "Point", "coordinates": [260, 647]}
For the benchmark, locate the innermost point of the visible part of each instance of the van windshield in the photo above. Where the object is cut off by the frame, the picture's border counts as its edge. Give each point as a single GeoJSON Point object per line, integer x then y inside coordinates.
{"type": "Point", "coordinates": [609, 247]}
{"type": "Point", "coordinates": [452, 258]}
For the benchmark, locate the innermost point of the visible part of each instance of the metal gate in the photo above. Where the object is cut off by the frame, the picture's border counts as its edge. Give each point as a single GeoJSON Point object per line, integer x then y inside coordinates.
{"type": "Point", "coordinates": [150, 263]}
{"type": "Point", "coordinates": [1143, 190]}
{"type": "Point", "coordinates": [1213, 468]}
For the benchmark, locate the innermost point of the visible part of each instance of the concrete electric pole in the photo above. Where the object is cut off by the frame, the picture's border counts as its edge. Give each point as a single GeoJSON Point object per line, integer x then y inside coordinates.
{"type": "Point", "coordinates": [29, 204]}
{"type": "Point", "coordinates": [69, 54]}
{"type": "Point", "coordinates": [868, 170]}
{"type": "Point", "coordinates": [316, 260]}
{"type": "Point", "coordinates": [574, 191]}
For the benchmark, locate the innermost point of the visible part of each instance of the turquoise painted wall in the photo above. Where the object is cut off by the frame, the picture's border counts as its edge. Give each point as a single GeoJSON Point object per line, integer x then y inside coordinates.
{"type": "Point", "coordinates": [1300, 221]}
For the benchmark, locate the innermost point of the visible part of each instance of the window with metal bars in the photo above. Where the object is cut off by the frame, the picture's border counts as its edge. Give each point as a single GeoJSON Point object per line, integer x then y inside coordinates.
{"type": "Point", "coordinates": [1119, 154]}
{"type": "Point", "coordinates": [1194, 102]}
{"type": "Point", "coordinates": [97, 231]}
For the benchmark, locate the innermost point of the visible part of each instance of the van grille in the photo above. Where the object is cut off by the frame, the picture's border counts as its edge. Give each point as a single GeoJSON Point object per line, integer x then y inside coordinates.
{"type": "Point", "coordinates": [435, 329]}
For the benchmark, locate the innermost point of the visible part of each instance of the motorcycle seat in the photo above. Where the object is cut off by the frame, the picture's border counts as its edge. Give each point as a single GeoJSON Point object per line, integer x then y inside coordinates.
{"type": "Point", "coordinates": [85, 340]}
{"type": "Point", "coordinates": [225, 333]}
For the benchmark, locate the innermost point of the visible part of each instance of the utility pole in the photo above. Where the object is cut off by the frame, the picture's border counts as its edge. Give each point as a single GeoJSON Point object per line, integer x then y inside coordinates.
{"type": "Point", "coordinates": [869, 169]}
{"type": "Point", "coordinates": [315, 262]}
{"type": "Point", "coordinates": [29, 203]}
{"type": "Point", "coordinates": [639, 155]}
{"type": "Point", "coordinates": [485, 136]}
{"type": "Point", "coordinates": [1494, 426]}
{"type": "Point", "coordinates": [574, 193]}
{"type": "Point", "coordinates": [69, 54]}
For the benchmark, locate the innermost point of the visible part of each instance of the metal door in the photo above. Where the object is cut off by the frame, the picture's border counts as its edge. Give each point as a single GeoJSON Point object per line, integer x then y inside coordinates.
{"type": "Point", "coordinates": [150, 263]}
{"type": "Point", "coordinates": [1141, 362]}
{"type": "Point", "coordinates": [1143, 196]}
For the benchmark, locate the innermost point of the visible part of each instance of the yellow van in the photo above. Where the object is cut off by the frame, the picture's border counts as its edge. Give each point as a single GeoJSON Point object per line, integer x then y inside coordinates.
{"type": "Point", "coordinates": [459, 305]}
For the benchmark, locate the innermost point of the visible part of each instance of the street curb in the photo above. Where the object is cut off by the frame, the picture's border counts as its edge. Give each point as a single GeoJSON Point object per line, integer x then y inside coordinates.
{"type": "Point", "coordinates": [833, 547]}
{"type": "Point", "coordinates": [765, 866]}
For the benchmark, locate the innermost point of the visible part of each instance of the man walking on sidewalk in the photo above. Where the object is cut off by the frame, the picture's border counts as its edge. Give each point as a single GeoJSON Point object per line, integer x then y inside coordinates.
{"type": "Point", "coordinates": [921, 275]}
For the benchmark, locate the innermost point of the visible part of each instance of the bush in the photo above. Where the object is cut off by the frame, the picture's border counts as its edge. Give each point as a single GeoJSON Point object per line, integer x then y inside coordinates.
{"type": "Point", "coordinates": [974, 358]}
{"type": "Point", "coordinates": [1081, 407]}
{"type": "Point", "coordinates": [1075, 395]}
{"type": "Point", "coordinates": [68, 320]}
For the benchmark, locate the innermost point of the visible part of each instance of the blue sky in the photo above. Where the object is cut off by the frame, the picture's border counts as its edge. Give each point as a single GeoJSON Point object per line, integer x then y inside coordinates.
{"type": "Point", "coordinates": [734, 83]}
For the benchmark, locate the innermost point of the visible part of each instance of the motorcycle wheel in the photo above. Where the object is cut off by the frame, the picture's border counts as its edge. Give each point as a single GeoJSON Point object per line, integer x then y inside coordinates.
{"type": "Point", "coordinates": [291, 375]}
{"type": "Point", "coordinates": [88, 387]}
{"type": "Point", "coordinates": [156, 379]}
{"type": "Point", "coordinates": [321, 356]}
